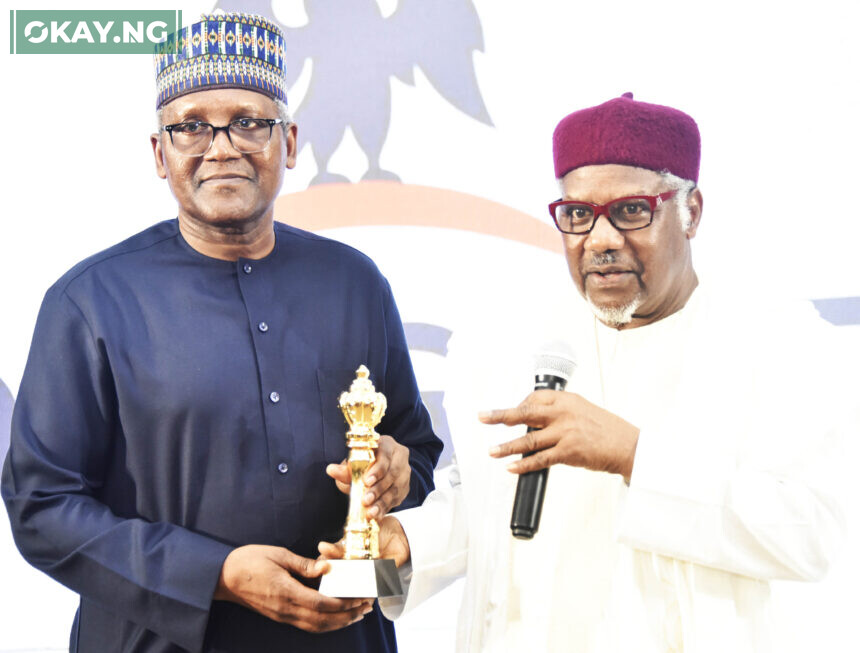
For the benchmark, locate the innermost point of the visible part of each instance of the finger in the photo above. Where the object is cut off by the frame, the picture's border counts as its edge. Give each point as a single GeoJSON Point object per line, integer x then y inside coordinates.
{"type": "Point", "coordinates": [540, 460]}
{"type": "Point", "coordinates": [531, 441]}
{"type": "Point", "coordinates": [331, 551]}
{"type": "Point", "coordinates": [339, 472]}
{"type": "Point", "coordinates": [546, 397]}
{"type": "Point", "coordinates": [316, 622]}
{"type": "Point", "coordinates": [306, 567]}
{"type": "Point", "coordinates": [529, 413]}
{"type": "Point", "coordinates": [379, 469]}
{"type": "Point", "coordinates": [341, 475]}
{"type": "Point", "coordinates": [379, 488]}
{"type": "Point", "coordinates": [342, 487]}
{"type": "Point", "coordinates": [386, 502]}
{"type": "Point", "coordinates": [300, 595]}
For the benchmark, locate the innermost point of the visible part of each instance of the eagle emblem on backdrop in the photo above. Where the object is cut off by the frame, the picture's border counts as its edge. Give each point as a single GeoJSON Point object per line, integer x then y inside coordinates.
{"type": "Point", "coordinates": [354, 51]}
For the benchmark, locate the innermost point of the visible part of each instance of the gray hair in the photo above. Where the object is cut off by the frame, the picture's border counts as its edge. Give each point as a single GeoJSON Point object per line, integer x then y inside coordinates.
{"type": "Point", "coordinates": [283, 113]}
{"type": "Point", "coordinates": [683, 187]}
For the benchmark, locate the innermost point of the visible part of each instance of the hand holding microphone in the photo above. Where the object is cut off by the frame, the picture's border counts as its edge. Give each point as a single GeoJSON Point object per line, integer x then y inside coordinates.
{"type": "Point", "coordinates": [564, 428]}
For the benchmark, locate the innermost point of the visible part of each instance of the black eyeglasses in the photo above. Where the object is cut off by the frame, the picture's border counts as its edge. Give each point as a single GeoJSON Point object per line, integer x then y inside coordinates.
{"type": "Point", "coordinates": [625, 213]}
{"type": "Point", "coordinates": [246, 135]}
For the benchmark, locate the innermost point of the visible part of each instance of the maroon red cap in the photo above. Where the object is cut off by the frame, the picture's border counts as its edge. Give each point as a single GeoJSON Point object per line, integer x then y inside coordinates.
{"type": "Point", "coordinates": [630, 133]}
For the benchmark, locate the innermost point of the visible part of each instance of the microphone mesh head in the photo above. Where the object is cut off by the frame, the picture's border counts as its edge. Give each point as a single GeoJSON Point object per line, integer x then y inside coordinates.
{"type": "Point", "coordinates": [557, 359]}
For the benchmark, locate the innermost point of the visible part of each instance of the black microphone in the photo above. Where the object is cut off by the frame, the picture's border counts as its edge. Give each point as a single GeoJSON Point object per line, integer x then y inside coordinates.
{"type": "Point", "coordinates": [554, 366]}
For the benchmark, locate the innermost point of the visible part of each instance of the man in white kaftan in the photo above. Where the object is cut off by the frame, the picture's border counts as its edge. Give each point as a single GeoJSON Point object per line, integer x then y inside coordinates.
{"type": "Point", "coordinates": [694, 455]}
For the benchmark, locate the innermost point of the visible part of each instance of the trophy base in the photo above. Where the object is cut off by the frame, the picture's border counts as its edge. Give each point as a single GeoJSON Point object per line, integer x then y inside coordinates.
{"type": "Point", "coordinates": [361, 579]}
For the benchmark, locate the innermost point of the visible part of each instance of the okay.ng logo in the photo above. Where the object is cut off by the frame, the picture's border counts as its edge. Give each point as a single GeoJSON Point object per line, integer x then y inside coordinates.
{"type": "Point", "coordinates": [90, 32]}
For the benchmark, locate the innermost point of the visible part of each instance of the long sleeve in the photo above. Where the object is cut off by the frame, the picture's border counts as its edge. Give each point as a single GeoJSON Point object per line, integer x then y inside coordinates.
{"type": "Point", "coordinates": [407, 419]}
{"type": "Point", "coordinates": [745, 473]}
{"type": "Point", "coordinates": [65, 425]}
{"type": "Point", "coordinates": [755, 522]}
{"type": "Point", "coordinates": [177, 406]}
{"type": "Point", "coordinates": [438, 537]}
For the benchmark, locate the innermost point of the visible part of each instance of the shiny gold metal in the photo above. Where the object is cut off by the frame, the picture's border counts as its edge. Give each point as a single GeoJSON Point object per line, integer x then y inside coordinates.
{"type": "Point", "coordinates": [361, 574]}
{"type": "Point", "coordinates": [363, 409]}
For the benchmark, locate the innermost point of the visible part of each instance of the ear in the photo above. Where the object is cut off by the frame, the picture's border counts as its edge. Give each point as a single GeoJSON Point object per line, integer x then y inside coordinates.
{"type": "Point", "coordinates": [695, 202]}
{"type": "Point", "coordinates": [158, 153]}
{"type": "Point", "coordinates": [292, 147]}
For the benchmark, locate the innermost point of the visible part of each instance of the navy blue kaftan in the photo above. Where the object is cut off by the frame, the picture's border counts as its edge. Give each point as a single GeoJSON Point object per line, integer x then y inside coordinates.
{"type": "Point", "coordinates": [176, 406]}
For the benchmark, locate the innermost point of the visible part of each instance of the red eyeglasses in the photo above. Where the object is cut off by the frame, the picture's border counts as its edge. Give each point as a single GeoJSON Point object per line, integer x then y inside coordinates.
{"type": "Point", "coordinates": [625, 213]}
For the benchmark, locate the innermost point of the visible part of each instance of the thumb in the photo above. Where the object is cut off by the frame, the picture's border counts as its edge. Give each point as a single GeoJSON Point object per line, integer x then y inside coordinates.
{"type": "Point", "coordinates": [331, 551]}
{"type": "Point", "coordinates": [340, 473]}
{"type": "Point", "coordinates": [306, 567]}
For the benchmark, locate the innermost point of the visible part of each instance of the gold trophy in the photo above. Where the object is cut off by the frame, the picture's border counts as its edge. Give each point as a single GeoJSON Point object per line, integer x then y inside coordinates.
{"type": "Point", "coordinates": [361, 573]}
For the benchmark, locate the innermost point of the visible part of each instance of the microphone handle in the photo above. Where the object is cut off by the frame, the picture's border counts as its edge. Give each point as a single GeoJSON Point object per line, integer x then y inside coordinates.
{"type": "Point", "coordinates": [531, 486]}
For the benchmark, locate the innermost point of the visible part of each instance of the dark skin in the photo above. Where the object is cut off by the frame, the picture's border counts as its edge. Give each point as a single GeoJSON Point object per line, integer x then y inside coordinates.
{"type": "Point", "coordinates": [226, 203]}
{"type": "Point", "coordinates": [386, 482]}
{"type": "Point", "coordinates": [392, 543]}
{"type": "Point", "coordinates": [226, 199]}
{"type": "Point", "coordinates": [266, 579]}
{"type": "Point", "coordinates": [654, 263]}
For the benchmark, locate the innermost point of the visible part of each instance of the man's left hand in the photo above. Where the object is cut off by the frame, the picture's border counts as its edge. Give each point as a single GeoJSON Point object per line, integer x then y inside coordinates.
{"type": "Point", "coordinates": [571, 431]}
{"type": "Point", "coordinates": [393, 543]}
{"type": "Point", "coordinates": [387, 480]}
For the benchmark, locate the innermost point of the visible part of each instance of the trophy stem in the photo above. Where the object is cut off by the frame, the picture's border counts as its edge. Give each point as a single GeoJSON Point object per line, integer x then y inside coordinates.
{"type": "Point", "coordinates": [361, 532]}
{"type": "Point", "coordinates": [361, 573]}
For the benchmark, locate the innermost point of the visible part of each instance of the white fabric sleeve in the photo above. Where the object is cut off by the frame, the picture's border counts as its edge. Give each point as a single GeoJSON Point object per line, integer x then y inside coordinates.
{"type": "Point", "coordinates": [747, 473]}
{"type": "Point", "coordinates": [704, 508]}
{"type": "Point", "coordinates": [438, 541]}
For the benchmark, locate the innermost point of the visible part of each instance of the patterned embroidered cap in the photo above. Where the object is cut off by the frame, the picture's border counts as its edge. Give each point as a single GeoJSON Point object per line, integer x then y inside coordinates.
{"type": "Point", "coordinates": [223, 50]}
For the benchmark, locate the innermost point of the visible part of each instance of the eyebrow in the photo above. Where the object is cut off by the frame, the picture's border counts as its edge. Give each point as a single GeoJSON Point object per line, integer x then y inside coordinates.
{"type": "Point", "coordinates": [573, 198]}
{"type": "Point", "coordinates": [192, 113]}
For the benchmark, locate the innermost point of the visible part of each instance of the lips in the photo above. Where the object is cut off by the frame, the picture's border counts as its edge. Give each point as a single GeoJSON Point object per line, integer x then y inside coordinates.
{"type": "Point", "coordinates": [607, 269]}
{"type": "Point", "coordinates": [609, 276]}
{"type": "Point", "coordinates": [225, 178]}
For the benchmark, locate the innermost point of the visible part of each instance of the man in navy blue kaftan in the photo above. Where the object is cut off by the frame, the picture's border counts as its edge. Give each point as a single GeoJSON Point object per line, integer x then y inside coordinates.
{"type": "Point", "coordinates": [179, 407]}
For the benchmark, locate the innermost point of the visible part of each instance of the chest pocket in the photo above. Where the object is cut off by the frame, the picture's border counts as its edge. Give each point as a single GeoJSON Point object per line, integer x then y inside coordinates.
{"type": "Point", "coordinates": [331, 384]}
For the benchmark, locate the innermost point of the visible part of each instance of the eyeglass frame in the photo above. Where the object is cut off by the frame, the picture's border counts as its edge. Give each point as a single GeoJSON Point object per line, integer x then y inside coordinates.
{"type": "Point", "coordinates": [654, 201]}
{"type": "Point", "coordinates": [226, 129]}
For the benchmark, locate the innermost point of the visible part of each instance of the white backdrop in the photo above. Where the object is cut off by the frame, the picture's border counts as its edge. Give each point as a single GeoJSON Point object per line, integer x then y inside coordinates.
{"type": "Point", "coordinates": [773, 87]}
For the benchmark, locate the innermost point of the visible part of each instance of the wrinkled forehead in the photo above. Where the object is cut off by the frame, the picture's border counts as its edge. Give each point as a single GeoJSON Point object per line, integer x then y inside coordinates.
{"type": "Point", "coordinates": [602, 183]}
{"type": "Point", "coordinates": [219, 104]}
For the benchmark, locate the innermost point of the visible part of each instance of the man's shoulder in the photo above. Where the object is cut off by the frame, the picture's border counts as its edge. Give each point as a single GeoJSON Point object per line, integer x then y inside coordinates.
{"type": "Point", "coordinates": [326, 251]}
{"type": "Point", "coordinates": [113, 256]}
{"type": "Point", "coordinates": [730, 307]}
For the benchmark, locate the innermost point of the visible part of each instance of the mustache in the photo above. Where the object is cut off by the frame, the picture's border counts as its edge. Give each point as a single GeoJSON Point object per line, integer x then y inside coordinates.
{"type": "Point", "coordinates": [607, 259]}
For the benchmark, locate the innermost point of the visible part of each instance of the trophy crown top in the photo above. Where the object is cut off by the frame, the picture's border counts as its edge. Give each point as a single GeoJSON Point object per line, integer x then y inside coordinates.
{"type": "Point", "coordinates": [362, 406]}
{"type": "Point", "coordinates": [362, 388]}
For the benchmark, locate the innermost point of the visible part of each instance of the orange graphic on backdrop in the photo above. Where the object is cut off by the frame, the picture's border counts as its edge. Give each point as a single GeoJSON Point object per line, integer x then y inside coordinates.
{"type": "Point", "coordinates": [376, 203]}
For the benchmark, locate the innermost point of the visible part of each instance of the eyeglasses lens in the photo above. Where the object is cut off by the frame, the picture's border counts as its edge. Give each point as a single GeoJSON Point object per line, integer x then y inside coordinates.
{"type": "Point", "coordinates": [247, 135]}
{"type": "Point", "coordinates": [629, 213]}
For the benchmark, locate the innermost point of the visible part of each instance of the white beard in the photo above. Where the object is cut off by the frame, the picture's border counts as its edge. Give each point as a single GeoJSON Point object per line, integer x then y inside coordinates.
{"type": "Point", "coordinates": [617, 316]}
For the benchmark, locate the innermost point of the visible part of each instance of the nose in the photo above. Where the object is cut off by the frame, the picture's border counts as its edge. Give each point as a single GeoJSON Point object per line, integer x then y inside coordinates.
{"type": "Point", "coordinates": [604, 237]}
{"type": "Point", "coordinates": [222, 149]}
